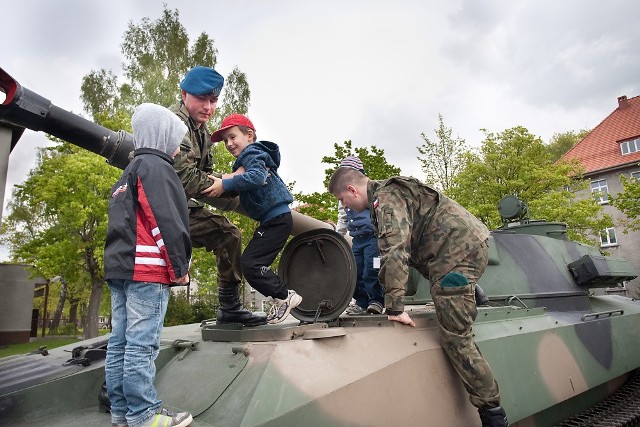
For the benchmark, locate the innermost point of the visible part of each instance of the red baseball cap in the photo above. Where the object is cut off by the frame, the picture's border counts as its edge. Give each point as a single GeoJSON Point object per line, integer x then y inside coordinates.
{"type": "Point", "coordinates": [230, 121]}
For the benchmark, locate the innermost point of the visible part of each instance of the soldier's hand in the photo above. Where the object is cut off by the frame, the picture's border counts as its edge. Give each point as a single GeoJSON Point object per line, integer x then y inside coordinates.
{"type": "Point", "coordinates": [403, 318]}
{"type": "Point", "coordinates": [214, 190]}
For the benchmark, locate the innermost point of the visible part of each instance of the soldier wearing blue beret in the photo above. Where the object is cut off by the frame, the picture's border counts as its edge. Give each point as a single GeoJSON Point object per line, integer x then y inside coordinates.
{"type": "Point", "coordinates": [200, 90]}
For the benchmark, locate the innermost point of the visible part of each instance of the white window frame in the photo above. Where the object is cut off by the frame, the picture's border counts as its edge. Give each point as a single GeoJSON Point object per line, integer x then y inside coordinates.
{"type": "Point", "coordinates": [612, 238]}
{"type": "Point", "coordinates": [630, 146]}
{"type": "Point", "coordinates": [603, 197]}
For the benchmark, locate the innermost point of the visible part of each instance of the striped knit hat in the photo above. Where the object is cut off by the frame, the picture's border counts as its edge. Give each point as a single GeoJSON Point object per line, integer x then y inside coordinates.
{"type": "Point", "coordinates": [352, 162]}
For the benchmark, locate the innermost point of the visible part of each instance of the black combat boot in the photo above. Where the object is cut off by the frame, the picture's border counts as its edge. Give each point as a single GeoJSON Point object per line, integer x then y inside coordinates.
{"type": "Point", "coordinates": [232, 311]}
{"type": "Point", "coordinates": [493, 417]}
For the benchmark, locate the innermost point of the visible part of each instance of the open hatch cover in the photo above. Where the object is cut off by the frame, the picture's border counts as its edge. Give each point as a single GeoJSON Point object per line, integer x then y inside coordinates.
{"type": "Point", "coordinates": [319, 265]}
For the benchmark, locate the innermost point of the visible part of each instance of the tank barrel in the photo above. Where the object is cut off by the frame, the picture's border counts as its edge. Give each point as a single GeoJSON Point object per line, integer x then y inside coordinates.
{"type": "Point", "coordinates": [26, 109]}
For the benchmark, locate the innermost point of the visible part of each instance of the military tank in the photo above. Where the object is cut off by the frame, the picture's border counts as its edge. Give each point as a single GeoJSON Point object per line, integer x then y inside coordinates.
{"type": "Point", "coordinates": [561, 354]}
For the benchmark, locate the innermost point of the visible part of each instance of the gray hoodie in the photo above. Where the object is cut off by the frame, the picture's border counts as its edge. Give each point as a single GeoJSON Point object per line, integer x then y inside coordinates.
{"type": "Point", "coordinates": [156, 127]}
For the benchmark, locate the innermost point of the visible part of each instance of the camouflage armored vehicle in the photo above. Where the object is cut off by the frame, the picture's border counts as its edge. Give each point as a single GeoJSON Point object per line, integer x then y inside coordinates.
{"type": "Point", "coordinates": [561, 355]}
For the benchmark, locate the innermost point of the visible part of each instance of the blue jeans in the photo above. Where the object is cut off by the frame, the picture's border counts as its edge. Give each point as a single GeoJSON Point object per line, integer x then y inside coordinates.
{"type": "Point", "coordinates": [368, 288]}
{"type": "Point", "coordinates": [137, 310]}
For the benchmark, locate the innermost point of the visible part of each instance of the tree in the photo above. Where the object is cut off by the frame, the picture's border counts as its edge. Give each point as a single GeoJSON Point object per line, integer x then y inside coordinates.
{"type": "Point", "coordinates": [58, 218]}
{"type": "Point", "coordinates": [628, 202]}
{"type": "Point", "coordinates": [442, 159]}
{"type": "Point", "coordinates": [562, 142]}
{"type": "Point", "coordinates": [58, 221]}
{"type": "Point", "coordinates": [157, 54]}
{"type": "Point", "coordinates": [515, 162]}
{"type": "Point", "coordinates": [324, 206]}
{"type": "Point", "coordinates": [375, 164]}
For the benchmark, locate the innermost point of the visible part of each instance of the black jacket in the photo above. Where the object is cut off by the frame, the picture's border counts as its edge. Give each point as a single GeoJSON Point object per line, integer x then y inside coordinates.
{"type": "Point", "coordinates": [148, 231]}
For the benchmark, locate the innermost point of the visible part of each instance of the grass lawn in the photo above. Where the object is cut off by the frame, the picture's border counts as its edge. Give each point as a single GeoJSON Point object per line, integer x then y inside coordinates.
{"type": "Point", "coordinates": [22, 348]}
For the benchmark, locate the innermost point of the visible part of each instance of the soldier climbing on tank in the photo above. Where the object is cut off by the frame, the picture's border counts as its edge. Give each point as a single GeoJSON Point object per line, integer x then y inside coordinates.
{"type": "Point", "coordinates": [200, 89]}
{"type": "Point", "coordinates": [418, 226]}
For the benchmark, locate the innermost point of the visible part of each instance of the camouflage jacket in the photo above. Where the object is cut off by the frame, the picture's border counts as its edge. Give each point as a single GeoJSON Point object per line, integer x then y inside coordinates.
{"type": "Point", "coordinates": [193, 163]}
{"type": "Point", "coordinates": [418, 227]}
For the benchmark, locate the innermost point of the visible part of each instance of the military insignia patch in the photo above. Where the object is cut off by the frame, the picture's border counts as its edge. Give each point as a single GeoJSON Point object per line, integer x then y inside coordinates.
{"type": "Point", "coordinates": [375, 204]}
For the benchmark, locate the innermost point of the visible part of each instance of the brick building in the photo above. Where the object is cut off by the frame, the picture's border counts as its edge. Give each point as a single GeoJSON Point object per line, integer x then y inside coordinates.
{"type": "Point", "coordinates": [612, 149]}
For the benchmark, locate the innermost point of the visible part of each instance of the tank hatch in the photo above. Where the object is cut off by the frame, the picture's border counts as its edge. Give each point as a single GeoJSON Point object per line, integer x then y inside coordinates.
{"type": "Point", "coordinates": [319, 265]}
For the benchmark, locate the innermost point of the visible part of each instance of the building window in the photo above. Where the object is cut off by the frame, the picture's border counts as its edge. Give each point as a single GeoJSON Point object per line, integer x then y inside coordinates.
{"type": "Point", "coordinates": [608, 237]}
{"type": "Point", "coordinates": [635, 175]}
{"type": "Point", "coordinates": [631, 146]}
{"type": "Point", "coordinates": [600, 190]}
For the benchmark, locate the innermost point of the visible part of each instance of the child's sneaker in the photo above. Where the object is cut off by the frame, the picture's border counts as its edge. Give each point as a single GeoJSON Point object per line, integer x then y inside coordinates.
{"type": "Point", "coordinates": [355, 309]}
{"type": "Point", "coordinates": [375, 308]}
{"type": "Point", "coordinates": [282, 307]}
{"type": "Point", "coordinates": [167, 418]}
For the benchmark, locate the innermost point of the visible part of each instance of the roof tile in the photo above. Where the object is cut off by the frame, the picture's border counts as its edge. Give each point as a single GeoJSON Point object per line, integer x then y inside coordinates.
{"type": "Point", "coordinates": [600, 149]}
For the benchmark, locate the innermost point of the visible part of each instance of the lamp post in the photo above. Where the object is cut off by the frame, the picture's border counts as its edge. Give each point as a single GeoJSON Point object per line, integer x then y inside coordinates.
{"type": "Point", "coordinates": [46, 301]}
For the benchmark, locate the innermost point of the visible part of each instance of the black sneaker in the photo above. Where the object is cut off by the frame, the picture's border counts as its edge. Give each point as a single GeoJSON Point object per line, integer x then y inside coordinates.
{"type": "Point", "coordinates": [375, 308]}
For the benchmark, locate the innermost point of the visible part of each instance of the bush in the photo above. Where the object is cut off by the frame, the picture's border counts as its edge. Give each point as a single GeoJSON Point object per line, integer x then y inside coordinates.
{"type": "Point", "coordinates": [178, 311]}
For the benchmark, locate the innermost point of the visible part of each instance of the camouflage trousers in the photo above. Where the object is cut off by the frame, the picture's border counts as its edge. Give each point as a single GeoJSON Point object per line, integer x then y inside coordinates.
{"type": "Point", "coordinates": [217, 234]}
{"type": "Point", "coordinates": [454, 299]}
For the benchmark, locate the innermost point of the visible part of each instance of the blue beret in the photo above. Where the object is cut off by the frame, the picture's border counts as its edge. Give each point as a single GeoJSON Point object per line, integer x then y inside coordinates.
{"type": "Point", "coordinates": [202, 80]}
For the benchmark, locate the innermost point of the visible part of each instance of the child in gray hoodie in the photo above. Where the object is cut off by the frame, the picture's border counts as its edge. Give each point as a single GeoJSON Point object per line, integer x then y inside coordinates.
{"type": "Point", "coordinates": [148, 249]}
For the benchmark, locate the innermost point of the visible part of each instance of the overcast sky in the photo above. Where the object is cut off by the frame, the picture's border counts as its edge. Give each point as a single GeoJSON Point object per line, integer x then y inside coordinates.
{"type": "Point", "coordinates": [375, 72]}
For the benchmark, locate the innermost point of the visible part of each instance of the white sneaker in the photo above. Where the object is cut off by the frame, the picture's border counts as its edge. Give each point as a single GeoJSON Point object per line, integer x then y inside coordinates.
{"type": "Point", "coordinates": [282, 307]}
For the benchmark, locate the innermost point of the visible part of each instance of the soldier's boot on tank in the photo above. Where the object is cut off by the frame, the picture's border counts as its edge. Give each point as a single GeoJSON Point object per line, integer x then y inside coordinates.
{"type": "Point", "coordinates": [493, 417]}
{"type": "Point", "coordinates": [232, 311]}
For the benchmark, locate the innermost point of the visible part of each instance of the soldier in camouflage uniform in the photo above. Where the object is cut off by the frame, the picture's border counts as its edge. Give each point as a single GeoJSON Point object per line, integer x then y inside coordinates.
{"type": "Point", "coordinates": [200, 89]}
{"type": "Point", "coordinates": [419, 227]}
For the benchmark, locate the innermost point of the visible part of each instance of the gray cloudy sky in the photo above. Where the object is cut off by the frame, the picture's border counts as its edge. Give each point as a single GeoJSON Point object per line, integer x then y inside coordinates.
{"type": "Point", "coordinates": [376, 72]}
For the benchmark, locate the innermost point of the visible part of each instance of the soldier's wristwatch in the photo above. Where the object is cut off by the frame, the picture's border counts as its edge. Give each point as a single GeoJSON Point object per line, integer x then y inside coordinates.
{"type": "Point", "coordinates": [389, 312]}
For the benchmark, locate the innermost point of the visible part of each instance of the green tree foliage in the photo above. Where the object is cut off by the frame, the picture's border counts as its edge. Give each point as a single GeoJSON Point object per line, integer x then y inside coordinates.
{"type": "Point", "coordinates": [178, 309]}
{"type": "Point", "coordinates": [324, 206]}
{"type": "Point", "coordinates": [443, 158]}
{"type": "Point", "coordinates": [237, 97]}
{"type": "Point", "coordinates": [515, 162]}
{"type": "Point", "coordinates": [561, 143]}
{"type": "Point", "coordinates": [628, 202]}
{"type": "Point", "coordinates": [157, 54]}
{"type": "Point", "coordinates": [373, 159]}
{"type": "Point", "coordinates": [58, 221]}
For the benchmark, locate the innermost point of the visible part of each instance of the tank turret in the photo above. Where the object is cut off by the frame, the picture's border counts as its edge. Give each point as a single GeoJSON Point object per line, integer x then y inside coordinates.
{"type": "Point", "coordinates": [561, 354]}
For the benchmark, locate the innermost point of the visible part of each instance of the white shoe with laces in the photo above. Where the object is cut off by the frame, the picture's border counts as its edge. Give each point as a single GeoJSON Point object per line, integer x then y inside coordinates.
{"type": "Point", "coordinates": [282, 307]}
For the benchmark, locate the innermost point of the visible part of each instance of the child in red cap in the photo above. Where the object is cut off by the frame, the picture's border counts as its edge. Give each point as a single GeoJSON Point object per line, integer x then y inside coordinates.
{"type": "Point", "coordinates": [265, 198]}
